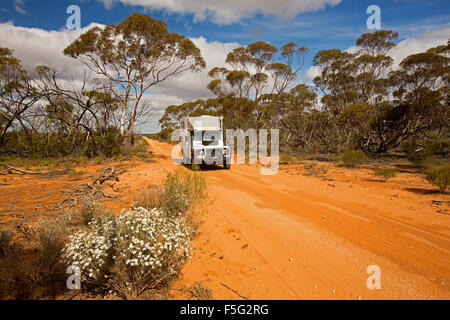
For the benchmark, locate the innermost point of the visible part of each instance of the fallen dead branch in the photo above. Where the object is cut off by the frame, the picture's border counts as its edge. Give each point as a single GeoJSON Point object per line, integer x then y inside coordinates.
{"type": "Point", "coordinates": [438, 202]}
{"type": "Point", "coordinates": [16, 215]}
{"type": "Point", "coordinates": [234, 291]}
{"type": "Point", "coordinates": [10, 169]}
{"type": "Point", "coordinates": [93, 189]}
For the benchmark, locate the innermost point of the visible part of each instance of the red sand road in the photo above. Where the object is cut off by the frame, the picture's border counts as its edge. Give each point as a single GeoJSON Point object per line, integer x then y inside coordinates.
{"type": "Point", "coordinates": [290, 236]}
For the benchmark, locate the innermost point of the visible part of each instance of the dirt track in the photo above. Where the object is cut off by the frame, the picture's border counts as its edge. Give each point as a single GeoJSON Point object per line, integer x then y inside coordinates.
{"type": "Point", "coordinates": [290, 236]}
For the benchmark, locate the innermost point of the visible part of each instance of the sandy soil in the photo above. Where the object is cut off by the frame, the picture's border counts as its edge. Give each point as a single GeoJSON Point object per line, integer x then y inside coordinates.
{"type": "Point", "coordinates": [292, 236]}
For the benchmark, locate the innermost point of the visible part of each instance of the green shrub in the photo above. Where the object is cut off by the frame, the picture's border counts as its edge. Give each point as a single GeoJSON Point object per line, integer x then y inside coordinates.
{"type": "Point", "coordinates": [385, 173]}
{"type": "Point", "coordinates": [285, 159]}
{"type": "Point", "coordinates": [435, 147]}
{"type": "Point", "coordinates": [439, 176]}
{"type": "Point", "coordinates": [354, 158]}
{"type": "Point", "coordinates": [180, 190]}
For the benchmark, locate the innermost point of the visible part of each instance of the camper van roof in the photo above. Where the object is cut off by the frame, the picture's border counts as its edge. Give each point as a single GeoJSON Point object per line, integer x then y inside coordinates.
{"type": "Point", "coordinates": [204, 123]}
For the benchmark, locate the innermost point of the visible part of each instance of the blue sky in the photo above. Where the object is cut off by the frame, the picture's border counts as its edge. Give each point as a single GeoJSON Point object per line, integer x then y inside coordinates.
{"type": "Point", "coordinates": [227, 23]}
{"type": "Point", "coordinates": [335, 26]}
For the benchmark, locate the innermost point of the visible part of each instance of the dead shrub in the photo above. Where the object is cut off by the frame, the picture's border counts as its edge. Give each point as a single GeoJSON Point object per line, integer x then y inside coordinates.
{"type": "Point", "coordinates": [148, 198]}
{"type": "Point", "coordinates": [6, 237]}
{"type": "Point", "coordinates": [33, 268]}
{"type": "Point", "coordinates": [199, 291]}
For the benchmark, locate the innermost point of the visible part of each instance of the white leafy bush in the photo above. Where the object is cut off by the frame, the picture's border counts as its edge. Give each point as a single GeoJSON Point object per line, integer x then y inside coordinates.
{"type": "Point", "coordinates": [137, 250]}
{"type": "Point", "coordinates": [92, 250]}
{"type": "Point", "coordinates": [150, 238]}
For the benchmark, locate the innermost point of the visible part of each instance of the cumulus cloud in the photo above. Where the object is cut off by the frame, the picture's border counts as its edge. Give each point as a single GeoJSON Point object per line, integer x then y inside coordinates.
{"type": "Point", "coordinates": [229, 11]}
{"type": "Point", "coordinates": [312, 73]}
{"type": "Point", "coordinates": [419, 44]}
{"type": "Point", "coordinates": [40, 47]}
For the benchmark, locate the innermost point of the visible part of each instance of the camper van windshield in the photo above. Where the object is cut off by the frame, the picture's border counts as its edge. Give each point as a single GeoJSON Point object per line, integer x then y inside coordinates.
{"type": "Point", "coordinates": [211, 138]}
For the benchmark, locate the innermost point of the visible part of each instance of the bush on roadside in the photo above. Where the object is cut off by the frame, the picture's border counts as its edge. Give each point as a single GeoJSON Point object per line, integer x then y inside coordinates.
{"type": "Point", "coordinates": [385, 173]}
{"type": "Point", "coordinates": [32, 268]}
{"type": "Point", "coordinates": [92, 250]}
{"type": "Point", "coordinates": [354, 158]}
{"type": "Point", "coordinates": [139, 250]}
{"type": "Point", "coordinates": [148, 198]}
{"type": "Point", "coordinates": [439, 176]}
{"type": "Point", "coordinates": [151, 250]}
{"type": "Point", "coordinates": [286, 159]}
{"type": "Point", "coordinates": [180, 190]}
{"type": "Point", "coordinates": [6, 237]}
{"type": "Point", "coordinates": [86, 211]}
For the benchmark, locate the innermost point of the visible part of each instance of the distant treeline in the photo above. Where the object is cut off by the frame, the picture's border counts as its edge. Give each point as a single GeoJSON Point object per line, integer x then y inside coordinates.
{"type": "Point", "coordinates": [365, 101]}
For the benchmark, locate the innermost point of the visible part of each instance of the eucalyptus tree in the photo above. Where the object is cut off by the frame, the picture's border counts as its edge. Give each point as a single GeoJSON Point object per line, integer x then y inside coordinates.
{"type": "Point", "coordinates": [136, 54]}
{"type": "Point", "coordinates": [17, 94]}
{"type": "Point", "coordinates": [257, 70]}
{"type": "Point", "coordinates": [355, 87]}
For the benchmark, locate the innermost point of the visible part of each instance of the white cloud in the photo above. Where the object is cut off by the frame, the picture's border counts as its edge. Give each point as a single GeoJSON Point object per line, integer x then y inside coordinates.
{"type": "Point", "coordinates": [19, 6]}
{"type": "Point", "coordinates": [312, 73]}
{"type": "Point", "coordinates": [413, 45]}
{"type": "Point", "coordinates": [228, 11]}
{"type": "Point", "coordinates": [191, 86]}
{"type": "Point", "coordinates": [40, 47]}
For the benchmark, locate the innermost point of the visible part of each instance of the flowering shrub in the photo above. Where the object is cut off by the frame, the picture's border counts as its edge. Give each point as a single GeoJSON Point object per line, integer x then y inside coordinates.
{"type": "Point", "coordinates": [138, 250]}
{"type": "Point", "coordinates": [92, 250]}
{"type": "Point", "coordinates": [151, 249]}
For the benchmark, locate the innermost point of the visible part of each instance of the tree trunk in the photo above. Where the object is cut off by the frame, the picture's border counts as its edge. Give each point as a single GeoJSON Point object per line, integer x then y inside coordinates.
{"type": "Point", "coordinates": [122, 118]}
{"type": "Point", "coordinates": [133, 121]}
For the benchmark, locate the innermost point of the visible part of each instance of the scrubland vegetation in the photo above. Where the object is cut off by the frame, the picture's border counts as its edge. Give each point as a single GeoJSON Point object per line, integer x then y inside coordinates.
{"type": "Point", "coordinates": [136, 252]}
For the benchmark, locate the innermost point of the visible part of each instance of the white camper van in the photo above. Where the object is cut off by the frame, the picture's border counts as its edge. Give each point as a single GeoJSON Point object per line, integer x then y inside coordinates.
{"type": "Point", "coordinates": [202, 141]}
